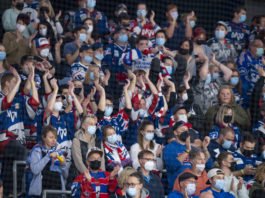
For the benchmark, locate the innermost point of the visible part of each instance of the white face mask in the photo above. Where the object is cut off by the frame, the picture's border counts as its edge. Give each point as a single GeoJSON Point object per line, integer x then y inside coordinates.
{"type": "Point", "coordinates": [91, 130]}
{"type": "Point", "coordinates": [90, 29]}
{"type": "Point", "coordinates": [112, 138]}
{"type": "Point", "coordinates": [131, 191]}
{"type": "Point", "coordinates": [149, 166]}
{"type": "Point", "coordinates": [200, 167]}
{"type": "Point", "coordinates": [149, 136]}
{"type": "Point", "coordinates": [58, 106]}
{"type": "Point", "coordinates": [184, 96]}
{"type": "Point", "coordinates": [183, 117]}
{"type": "Point", "coordinates": [190, 189]}
{"type": "Point", "coordinates": [43, 31]}
{"type": "Point", "coordinates": [45, 52]}
{"type": "Point", "coordinates": [142, 113]}
{"type": "Point", "coordinates": [20, 27]}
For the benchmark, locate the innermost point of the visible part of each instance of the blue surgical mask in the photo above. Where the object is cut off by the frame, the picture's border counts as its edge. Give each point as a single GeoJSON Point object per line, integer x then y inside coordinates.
{"type": "Point", "coordinates": [141, 13]}
{"type": "Point", "coordinates": [92, 76]}
{"type": "Point", "coordinates": [215, 75]}
{"type": "Point", "coordinates": [219, 184]}
{"type": "Point", "coordinates": [112, 138]}
{"type": "Point", "coordinates": [234, 80]}
{"type": "Point", "coordinates": [160, 41]}
{"type": "Point", "coordinates": [169, 69]}
{"type": "Point", "coordinates": [263, 154]}
{"type": "Point", "coordinates": [260, 52]}
{"type": "Point", "coordinates": [99, 56]}
{"type": "Point", "coordinates": [2, 56]}
{"type": "Point", "coordinates": [192, 23]}
{"type": "Point", "coordinates": [243, 18]}
{"type": "Point", "coordinates": [143, 113]}
{"type": "Point", "coordinates": [208, 79]}
{"type": "Point", "coordinates": [219, 34]}
{"type": "Point", "coordinates": [108, 111]}
{"type": "Point", "coordinates": [91, 3]}
{"type": "Point", "coordinates": [82, 37]}
{"type": "Point", "coordinates": [149, 136]}
{"type": "Point", "coordinates": [227, 144]}
{"type": "Point", "coordinates": [123, 38]}
{"type": "Point", "coordinates": [88, 59]}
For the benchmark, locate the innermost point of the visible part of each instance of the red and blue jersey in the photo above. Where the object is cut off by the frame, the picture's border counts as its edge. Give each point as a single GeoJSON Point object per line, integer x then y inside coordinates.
{"type": "Point", "coordinates": [100, 185]}
{"type": "Point", "coordinates": [13, 116]}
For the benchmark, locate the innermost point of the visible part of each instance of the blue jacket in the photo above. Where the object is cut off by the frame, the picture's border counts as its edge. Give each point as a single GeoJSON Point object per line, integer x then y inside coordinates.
{"type": "Point", "coordinates": [173, 166]}
{"type": "Point", "coordinates": [176, 194]}
{"type": "Point", "coordinates": [221, 194]}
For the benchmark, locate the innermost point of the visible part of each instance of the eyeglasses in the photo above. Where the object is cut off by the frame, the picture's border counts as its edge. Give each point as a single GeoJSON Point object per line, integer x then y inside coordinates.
{"type": "Point", "coordinates": [131, 184]}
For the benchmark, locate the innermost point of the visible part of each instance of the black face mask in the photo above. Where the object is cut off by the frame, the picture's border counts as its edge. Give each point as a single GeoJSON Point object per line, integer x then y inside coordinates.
{"type": "Point", "coordinates": [184, 51]}
{"type": "Point", "coordinates": [247, 153]}
{"type": "Point", "coordinates": [227, 119]}
{"type": "Point", "coordinates": [200, 42]}
{"type": "Point", "coordinates": [184, 135]}
{"type": "Point", "coordinates": [77, 91]}
{"type": "Point", "coordinates": [95, 165]}
{"type": "Point", "coordinates": [233, 166]}
{"type": "Point", "coordinates": [19, 6]}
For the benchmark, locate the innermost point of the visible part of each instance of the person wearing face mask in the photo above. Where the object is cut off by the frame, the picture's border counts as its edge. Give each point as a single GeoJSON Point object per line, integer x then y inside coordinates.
{"type": "Point", "coordinates": [115, 151]}
{"type": "Point", "coordinates": [151, 181]}
{"type": "Point", "coordinates": [216, 179]}
{"type": "Point", "coordinates": [79, 69]}
{"type": "Point", "coordinates": [176, 29]}
{"type": "Point", "coordinates": [225, 118]}
{"type": "Point", "coordinates": [198, 160]}
{"type": "Point", "coordinates": [134, 187]}
{"type": "Point", "coordinates": [142, 26]}
{"type": "Point", "coordinates": [187, 186]}
{"type": "Point", "coordinates": [200, 42]}
{"type": "Point", "coordinates": [95, 182]}
{"type": "Point", "coordinates": [119, 121]}
{"type": "Point", "coordinates": [89, 10]}
{"type": "Point", "coordinates": [85, 139]}
{"type": "Point", "coordinates": [10, 15]}
{"type": "Point", "coordinates": [43, 48]}
{"type": "Point", "coordinates": [175, 154]}
{"type": "Point", "coordinates": [249, 63]}
{"type": "Point", "coordinates": [15, 43]}
{"type": "Point", "coordinates": [111, 61]}
{"type": "Point", "coordinates": [233, 184]}
{"type": "Point", "coordinates": [71, 49]}
{"type": "Point", "coordinates": [13, 139]}
{"type": "Point", "coordinates": [238, 30]}
{"type": "Point", "coordinates": [62, 120]}
{"type": "Point", "coordinates": [89, 24]}
{"type": "Point", "coordinates": [222, 48]}
{"type": "Point", "coordinates": [223, 143]}
{"type": "Point", "coordinates": [236, 85]}
{"type": "Point", "coordinates": [146, 141]}
{"type": "Point", "coordinates": [3, 62]}
{"type": "Point", "coordinates": [159, 48]}
{"type": "Point", "coordinates": [246, 158]}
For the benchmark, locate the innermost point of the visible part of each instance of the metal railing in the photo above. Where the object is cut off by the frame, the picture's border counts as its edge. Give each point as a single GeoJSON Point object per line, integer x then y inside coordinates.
{"type": "Point", "coordinates": [15, 164]}
{"type": "Point", "coordinates": [64, 192]}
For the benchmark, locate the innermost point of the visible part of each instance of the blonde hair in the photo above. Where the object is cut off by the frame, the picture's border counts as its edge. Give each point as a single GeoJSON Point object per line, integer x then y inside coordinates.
{"type": "Point", "coordinates": [47, 3]}
{"type": "Point", "coordinates": [231, 92]}
{"type": "Point", "coordinates": [260, 172]}
{"type": "Point", "coordinates": [124, 175]}
{"type": "Point", "coordinates": [221, 113]}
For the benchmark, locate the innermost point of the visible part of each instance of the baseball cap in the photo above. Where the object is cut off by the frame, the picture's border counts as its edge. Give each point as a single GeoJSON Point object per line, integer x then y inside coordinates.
{"type": "Point", "coordinates": [42, 42]}
{"type": "Point", "coordinates": [222, 23]}
{"type": "Point", "coordinates": [180, 124]}
{"type": "Point", "coordinates": [85, 47]}
{"type": "Point", "coordinates": [94, 150]}
{"type": "Point", "coordinates": [186, 175]}
{"type": "Point", "coordinates": [215, 171]}
{"type": "Point", "coordinates": [97, 45]}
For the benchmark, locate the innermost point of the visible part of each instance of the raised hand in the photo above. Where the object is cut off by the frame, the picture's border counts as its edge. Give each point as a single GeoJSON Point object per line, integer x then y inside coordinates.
{"type": "Point", "coordinates": [152, 17]}
{"type": "Point", "coordinates": [57, 17]}
{"type": "Point", "coordinates": [54, 84]}
{"type": "Point", "coordinates": [126, 86]}
{"type": "Point", "coordinates": [206, 142]}
{"type": "Point", "coordinates": [71, 88]}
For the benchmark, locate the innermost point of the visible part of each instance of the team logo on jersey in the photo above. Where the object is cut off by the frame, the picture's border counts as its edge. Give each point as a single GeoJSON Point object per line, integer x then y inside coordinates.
{"type": "Point", "coordinates": [17, 106]}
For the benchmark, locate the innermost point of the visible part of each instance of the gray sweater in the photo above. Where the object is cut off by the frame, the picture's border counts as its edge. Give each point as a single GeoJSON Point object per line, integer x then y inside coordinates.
{"type": "Point", "coordinates": [37, 164]}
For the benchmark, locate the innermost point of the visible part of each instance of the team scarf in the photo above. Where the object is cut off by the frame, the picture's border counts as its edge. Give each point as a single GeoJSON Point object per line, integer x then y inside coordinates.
{"type": "Point", "coordinates": [109, 148]}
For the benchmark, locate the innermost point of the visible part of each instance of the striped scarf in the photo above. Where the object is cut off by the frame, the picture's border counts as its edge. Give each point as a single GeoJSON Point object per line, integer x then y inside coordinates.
{"type": "Point", "coordinates": [112, 156]}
